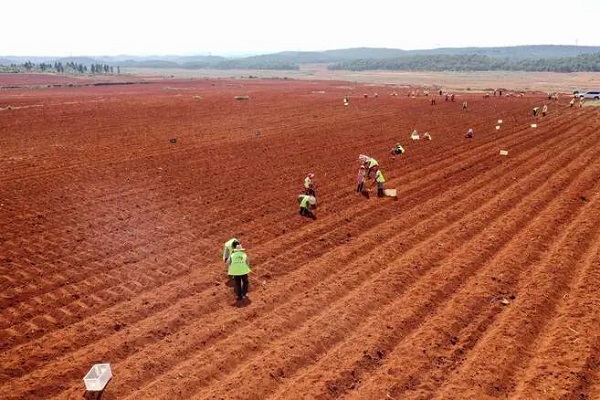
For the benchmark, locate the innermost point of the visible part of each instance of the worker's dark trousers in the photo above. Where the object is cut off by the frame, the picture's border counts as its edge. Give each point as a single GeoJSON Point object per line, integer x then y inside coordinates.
{"type": "Point", "coordinates": [241, 285]}
{"type": "Point", "coordinates": [305, 212]}
{"type": "Point", "coordinates": [360, 187]}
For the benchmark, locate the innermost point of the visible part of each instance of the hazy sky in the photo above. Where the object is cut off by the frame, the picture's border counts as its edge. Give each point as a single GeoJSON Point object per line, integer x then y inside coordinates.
{"type": "Point", "coordinates": [221, 27]}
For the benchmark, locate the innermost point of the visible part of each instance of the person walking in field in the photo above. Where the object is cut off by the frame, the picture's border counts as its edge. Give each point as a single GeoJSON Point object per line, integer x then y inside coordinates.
{"type": "Point", "coordinates": [544, 110]}
{"type": "Point", "coordinates": [572, 102]}
{"type": "Point", "coordinates": [239, 268]}
{"type": "Point", "coordinates": [469, 134]}
{"type": "Point", "coordinates": [464, 106]}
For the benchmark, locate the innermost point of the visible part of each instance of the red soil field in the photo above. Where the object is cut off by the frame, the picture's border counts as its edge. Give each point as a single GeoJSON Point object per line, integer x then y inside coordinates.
{"type": "Point", "coordinates": [481, 282]}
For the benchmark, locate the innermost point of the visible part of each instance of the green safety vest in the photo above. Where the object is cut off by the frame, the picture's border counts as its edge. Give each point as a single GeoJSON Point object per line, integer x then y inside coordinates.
{"type": "Point", "coordinates": [372, 163]}
{"type": "Point", "coordinates": [238, 263]}
{"type": "Point", "coordinates": [304, 201]}
{"type": "Point", "coordinates": [228, 248]}
{"type": "Point", "coordinates": [379, 177]}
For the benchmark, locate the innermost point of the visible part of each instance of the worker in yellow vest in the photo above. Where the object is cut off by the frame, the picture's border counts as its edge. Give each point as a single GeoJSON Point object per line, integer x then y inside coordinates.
{"type": "Point", "coordinates": [307, 205]}
{"type": "Point", "coordinates": [372, 166]}
{"type": "Point", "coordinates": [380, 179]}
{"type": "Point", "coordinates": [239, 268]}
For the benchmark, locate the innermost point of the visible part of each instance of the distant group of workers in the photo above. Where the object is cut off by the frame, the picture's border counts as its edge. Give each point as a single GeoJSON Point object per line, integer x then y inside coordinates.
{"type": "Point", "coordinates": [235, 258]}
{"type": "Point", "coordinates": [536, 110]}
{"type": "Point", "coordinates": [572, 102]}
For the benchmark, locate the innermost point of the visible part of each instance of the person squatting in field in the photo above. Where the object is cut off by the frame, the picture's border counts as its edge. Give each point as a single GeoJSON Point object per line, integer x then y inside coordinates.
{"type": "Point", "coordinates": [239, 268]}
{"type": "Point", "coordinates": [307, 204]}
{"type": "Point", "coordinates": [398, 149]}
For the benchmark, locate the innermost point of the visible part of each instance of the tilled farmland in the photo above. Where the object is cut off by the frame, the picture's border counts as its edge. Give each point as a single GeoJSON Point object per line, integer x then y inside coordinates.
{"type": "Point", "coordinates": [481, 281]}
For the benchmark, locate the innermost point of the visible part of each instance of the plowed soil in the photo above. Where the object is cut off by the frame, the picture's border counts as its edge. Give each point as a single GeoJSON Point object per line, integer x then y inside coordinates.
{"type": "Point", "coordinates": [481, 281]}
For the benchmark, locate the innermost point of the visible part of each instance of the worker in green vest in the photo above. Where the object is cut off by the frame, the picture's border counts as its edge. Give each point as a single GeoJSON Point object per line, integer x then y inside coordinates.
{"type": "Point", "coordinates": [372, 166]}
{"type": "Point", "coordinates": [239, 268]}
{"type": "Point", "coordinates": [380, 179]}
{"type": "Point", "coordinates": [307, 204]}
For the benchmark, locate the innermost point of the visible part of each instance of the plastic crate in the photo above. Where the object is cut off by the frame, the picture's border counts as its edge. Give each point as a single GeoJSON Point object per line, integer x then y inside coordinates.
{"type": "Point", "coordinates": [97, 377]}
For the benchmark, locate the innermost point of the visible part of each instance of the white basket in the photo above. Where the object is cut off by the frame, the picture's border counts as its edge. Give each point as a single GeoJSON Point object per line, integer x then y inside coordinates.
{"type": "Point", "coordinates": [534, 125]}
{"type": "Point", "coordinates": [503, 152]}
{"type": "Point", "coordinates": [499, 121]}
{"type": "Point", "coordinates": [497, 127]}
{"type": "Point", "coordinates": [97, 377]}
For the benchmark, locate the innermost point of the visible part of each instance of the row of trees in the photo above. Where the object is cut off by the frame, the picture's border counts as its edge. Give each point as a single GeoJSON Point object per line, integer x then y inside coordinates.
{"type": "Point", "coordinates": [474, 62]}
{"type": "Point", "coordinates": [58, 67]}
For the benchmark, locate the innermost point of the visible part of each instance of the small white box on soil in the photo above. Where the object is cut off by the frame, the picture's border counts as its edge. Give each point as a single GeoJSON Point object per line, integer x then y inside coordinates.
{"type": "Point", "coordinates": [499, 121]}
{"type": "Point", "coordinates": [534, 125]}
{"type": "Point", "coordinates": [97, 377]}
{"type": "Point", "coordinates": [497, 127]}
{"type": "Point", "coordinates": [503, 152]}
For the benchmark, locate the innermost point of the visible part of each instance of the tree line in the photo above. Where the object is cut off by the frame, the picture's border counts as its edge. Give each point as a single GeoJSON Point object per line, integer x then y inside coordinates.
{"type": "Point", "coordinates": [69, 67]}
{"type": "Point", "coordinates": [474, 62]}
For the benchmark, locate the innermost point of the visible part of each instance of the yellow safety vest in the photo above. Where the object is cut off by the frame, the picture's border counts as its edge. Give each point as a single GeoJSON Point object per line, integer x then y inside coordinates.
{"type": "Point", "coordinates": [304, 201]}
{"type": "Point", "coordinates": [238, 263]}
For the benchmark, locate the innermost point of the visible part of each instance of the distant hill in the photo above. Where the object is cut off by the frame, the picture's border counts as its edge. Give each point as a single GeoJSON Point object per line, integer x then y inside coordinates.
{"type": "Point", "coordinates": [537, 57]}
{"type": "Point", "coordinates": [514, 52]}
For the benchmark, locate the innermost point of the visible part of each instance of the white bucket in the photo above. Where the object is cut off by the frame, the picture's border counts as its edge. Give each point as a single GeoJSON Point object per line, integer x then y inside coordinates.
{"type": "Point", "coordinates": [390, 192]}
{"type": "Point", "coordinates": [497, 127]}
{"type": "Point", "coordinates": [534, 125]}
{"type": "Point", "coordinates": [503, 152]}
{"type": "Point", "coordinates": [499, 121]}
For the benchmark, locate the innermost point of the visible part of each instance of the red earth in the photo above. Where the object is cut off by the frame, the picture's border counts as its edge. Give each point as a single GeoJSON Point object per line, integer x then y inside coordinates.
{"type": "Point", "coordinates": [481, 282]}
